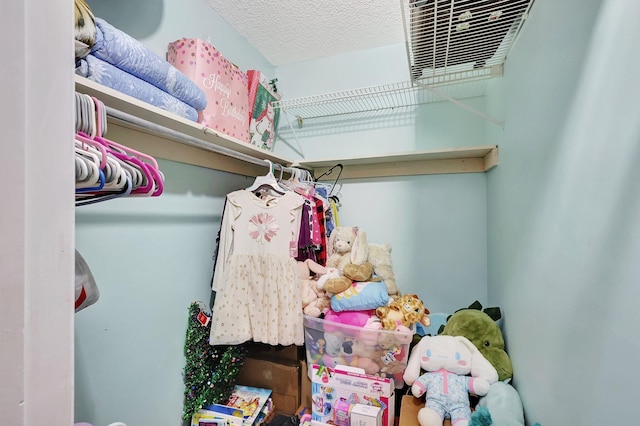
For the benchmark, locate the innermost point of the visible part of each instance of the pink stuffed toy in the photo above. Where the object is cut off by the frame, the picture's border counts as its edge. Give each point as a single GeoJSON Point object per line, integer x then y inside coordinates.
{"type": "Point", "coordinates": [314, 301]}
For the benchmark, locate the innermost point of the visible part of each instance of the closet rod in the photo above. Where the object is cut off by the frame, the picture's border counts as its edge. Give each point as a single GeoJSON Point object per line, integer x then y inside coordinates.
{"type": "Point", "coordinates": [176, 136]}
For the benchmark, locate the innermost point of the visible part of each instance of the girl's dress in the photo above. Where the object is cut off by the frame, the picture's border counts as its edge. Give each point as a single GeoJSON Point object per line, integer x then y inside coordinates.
{"type": "Point", "coordinates": [256, 277]}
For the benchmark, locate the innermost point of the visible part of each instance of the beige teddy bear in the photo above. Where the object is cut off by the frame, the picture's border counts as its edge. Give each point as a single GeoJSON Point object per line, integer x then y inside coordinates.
{"type": "Point", "coordinates": [349, 245]}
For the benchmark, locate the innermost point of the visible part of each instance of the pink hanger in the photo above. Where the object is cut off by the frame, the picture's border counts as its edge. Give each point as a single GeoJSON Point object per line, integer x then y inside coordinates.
{"type": "Point", "coordinates": [154, 185]}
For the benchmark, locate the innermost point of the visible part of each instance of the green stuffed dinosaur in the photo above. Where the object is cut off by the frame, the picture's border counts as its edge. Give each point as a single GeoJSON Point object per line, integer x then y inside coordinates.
{"type": "Point", "coordinates": [480, 327]}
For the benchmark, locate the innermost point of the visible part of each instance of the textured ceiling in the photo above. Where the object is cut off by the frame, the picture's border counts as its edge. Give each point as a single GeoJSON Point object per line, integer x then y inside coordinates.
{"type": "Point", "coordinates": [289, 31]}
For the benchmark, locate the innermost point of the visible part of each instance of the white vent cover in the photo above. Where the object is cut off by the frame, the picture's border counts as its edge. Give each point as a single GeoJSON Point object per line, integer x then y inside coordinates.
{"type": "Point", "coordinates": [447, 37]}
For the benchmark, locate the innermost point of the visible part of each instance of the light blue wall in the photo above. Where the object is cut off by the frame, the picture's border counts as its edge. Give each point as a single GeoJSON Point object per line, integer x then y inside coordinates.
{"type": "Point", "coordinates": [564, 229]}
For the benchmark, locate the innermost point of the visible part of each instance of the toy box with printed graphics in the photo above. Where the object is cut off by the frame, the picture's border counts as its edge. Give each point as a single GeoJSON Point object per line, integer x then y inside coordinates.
{"type": "Point", "coordinates": [224, 84]}
{"type": "Point", "coordinates": [379, 352]}
{"type": "Point", "coordinates": [332, 388]}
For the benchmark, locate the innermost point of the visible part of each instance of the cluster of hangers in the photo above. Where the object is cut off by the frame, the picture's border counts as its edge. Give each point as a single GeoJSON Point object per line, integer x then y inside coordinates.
{"type": "Point", "coordinates": [300, 180]}
{"type": "Point", "coordinates": [105, 169]}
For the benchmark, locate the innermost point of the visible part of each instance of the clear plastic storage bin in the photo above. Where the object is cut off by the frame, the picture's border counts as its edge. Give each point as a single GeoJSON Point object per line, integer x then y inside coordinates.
{"type": "Point", "coordinates": [378, 352]}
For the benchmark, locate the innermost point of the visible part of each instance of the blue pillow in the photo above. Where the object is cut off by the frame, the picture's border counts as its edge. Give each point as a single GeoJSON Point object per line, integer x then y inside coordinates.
{"type": "Point", "coordinates": [361, 296]}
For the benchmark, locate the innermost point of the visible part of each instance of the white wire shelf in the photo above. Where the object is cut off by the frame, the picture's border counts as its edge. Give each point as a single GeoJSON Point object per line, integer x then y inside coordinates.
{"type": "Point", "coordinates": [366, 101]}
{"type": "Point", "coordinates": [450, 37]}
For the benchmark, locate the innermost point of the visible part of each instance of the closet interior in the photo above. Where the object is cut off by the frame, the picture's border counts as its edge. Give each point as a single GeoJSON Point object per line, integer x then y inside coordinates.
{"type": "Point", "coordinates": [447, 61]}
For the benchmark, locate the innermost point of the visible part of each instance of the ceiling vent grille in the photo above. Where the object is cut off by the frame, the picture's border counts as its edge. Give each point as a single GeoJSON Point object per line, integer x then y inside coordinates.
{"type": "Point", "coordinates": [451, 39]}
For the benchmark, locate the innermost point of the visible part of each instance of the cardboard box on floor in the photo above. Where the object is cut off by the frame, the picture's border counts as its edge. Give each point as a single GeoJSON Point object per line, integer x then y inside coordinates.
{"type": "Point", "coordinates": [409, 408]}
{"type": "Point", "coordinates": [263, 350]}
{"type": "Point", "coordinates": [281, 376]}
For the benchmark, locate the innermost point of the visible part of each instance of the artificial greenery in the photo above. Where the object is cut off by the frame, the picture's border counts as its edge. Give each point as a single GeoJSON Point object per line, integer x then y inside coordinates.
{"type": "Point", "coordinates": [210, 372]}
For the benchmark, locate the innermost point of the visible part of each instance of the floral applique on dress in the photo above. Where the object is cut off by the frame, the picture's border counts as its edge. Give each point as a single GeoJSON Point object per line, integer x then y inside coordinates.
{"type": "Point", "coordinates": [263, 227]}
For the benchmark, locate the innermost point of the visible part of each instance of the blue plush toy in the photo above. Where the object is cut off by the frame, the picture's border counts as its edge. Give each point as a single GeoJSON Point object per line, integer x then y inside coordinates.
{"type": "Point", "coordinates": [501, 406]}
{"type": "Point", "coordinates": [481, 417]}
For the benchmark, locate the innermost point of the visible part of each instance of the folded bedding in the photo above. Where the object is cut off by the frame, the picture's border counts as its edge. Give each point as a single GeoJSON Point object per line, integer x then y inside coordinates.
{"type": "Point", "coordinates": [108, 75]}
{"type": "Point", "coordinates": [131, 56]}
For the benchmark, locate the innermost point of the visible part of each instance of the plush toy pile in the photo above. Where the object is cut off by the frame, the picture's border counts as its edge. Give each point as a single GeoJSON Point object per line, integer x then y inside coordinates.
{"type": "Point", "coordinates": [366, 323]}
{"type": "Point", "coordinates": [499, 403]}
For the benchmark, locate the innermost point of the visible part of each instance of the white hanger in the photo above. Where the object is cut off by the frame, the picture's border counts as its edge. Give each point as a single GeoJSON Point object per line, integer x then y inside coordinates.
{"type": "Point", "coordinates": [268, 180]}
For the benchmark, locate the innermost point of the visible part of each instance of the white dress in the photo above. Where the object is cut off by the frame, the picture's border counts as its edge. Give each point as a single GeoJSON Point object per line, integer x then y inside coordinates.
{"type": "Point", "coordinates": [256, 277]}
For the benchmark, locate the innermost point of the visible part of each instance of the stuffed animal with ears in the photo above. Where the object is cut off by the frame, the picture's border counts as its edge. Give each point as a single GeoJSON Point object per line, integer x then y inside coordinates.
{"type": "Point", "coordinates": [348, 244]}
{"type": "Point", "coordinates": [454, 367]}
{"type": "Point", "coordinates": [314, 300]}
{"type": "Point", "coordinates": [406, 310]}
{"type": "Point", "coordinates": [481, 328]}
{"type": "Point", "coordinates": [502, 402]}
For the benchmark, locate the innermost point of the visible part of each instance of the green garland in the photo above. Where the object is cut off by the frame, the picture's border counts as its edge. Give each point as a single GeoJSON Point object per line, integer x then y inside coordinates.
{"type": "Point", "coordinates": [210, 372]}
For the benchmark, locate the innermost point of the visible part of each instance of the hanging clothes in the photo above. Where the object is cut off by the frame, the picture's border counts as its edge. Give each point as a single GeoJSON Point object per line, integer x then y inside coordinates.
{"type": "Point", "coordinates": [256, 277]}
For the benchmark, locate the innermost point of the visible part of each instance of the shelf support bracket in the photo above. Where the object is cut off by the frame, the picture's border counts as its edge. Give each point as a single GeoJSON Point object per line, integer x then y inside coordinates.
{"type": "Point", "coordinates": [461, 104]}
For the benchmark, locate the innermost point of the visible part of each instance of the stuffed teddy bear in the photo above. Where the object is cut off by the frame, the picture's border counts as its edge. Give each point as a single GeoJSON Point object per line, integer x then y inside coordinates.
{"type": "Point", "coordinates": [349, 245]}
{"type": "Point", "coordinates": [314, 300]}
{"type": "Point", "coordinates": [448, 362]}
{"type": "Point", "coordinates": [406, 310]}
{"type": "Point", "coordinates": [483, 331]}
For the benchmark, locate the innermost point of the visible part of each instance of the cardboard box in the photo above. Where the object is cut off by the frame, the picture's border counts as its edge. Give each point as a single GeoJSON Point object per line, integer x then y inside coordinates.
{"type": "Point", "coordinates": [366, 415]}
{"type": "Point", "coordinates": [409, 408]}
{"type": "Point", "coordinates": [332, 385]}
{"type": "Point", "coordinates": [263, 350]}
{"type": "Point", "coordinates": [305, 384]}
{"type": "Point", "coordinates": [281, 376]}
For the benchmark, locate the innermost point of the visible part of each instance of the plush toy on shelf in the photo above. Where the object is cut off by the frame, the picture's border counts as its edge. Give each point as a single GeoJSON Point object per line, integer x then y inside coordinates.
{"type": "Point", "coordinates": [314, 300]}
{"type": "Point", "coordinates": [453, 363]}
{"type": "Point", "coordinates": [348, 244]}
{"type": "Point", "coordinates": [406, 310]}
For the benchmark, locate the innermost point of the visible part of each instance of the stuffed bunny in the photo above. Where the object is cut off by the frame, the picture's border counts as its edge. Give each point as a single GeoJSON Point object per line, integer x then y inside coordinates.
{"type": "Point", "coordinates": [447, 360]}
{"type": "Point", "coordinates": [348, 244]}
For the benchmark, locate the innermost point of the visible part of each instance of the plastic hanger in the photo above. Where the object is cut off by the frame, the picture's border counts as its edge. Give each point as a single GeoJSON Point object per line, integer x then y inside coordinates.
{"type": "Point", "coordinates": [142, 175]}
{"type": "Point", "coordinates": [153, 180]}
{"type": "Point", "coordinates": [93, 199]}
{"type": "Point", "coordinates": [269, 180]}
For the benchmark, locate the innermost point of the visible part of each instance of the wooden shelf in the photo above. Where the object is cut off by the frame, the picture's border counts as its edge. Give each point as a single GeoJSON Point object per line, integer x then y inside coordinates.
{"type": "Point", "coordinates": [248, 163]}
{"type": "Point", "coordinates": [161, 146]}
{"type": "Point", "coordinates": [458, 160]}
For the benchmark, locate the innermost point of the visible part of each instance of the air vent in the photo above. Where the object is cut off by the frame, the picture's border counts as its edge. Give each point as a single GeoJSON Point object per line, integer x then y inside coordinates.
{"type": "Point", "coordinates": [456, 37]}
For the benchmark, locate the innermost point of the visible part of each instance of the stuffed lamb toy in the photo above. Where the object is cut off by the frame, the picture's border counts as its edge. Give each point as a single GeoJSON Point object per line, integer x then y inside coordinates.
{"type": "Point", "coordinates": [454, 367]}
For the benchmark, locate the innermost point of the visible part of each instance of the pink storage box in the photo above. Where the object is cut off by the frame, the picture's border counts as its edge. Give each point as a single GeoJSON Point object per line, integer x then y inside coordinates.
{"type": "Point", "coordinates": [225, 85]}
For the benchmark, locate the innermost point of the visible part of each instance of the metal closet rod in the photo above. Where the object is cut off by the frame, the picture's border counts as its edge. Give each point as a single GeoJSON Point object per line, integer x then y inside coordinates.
{"type": "Point", "coordinates": [183, 138]}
